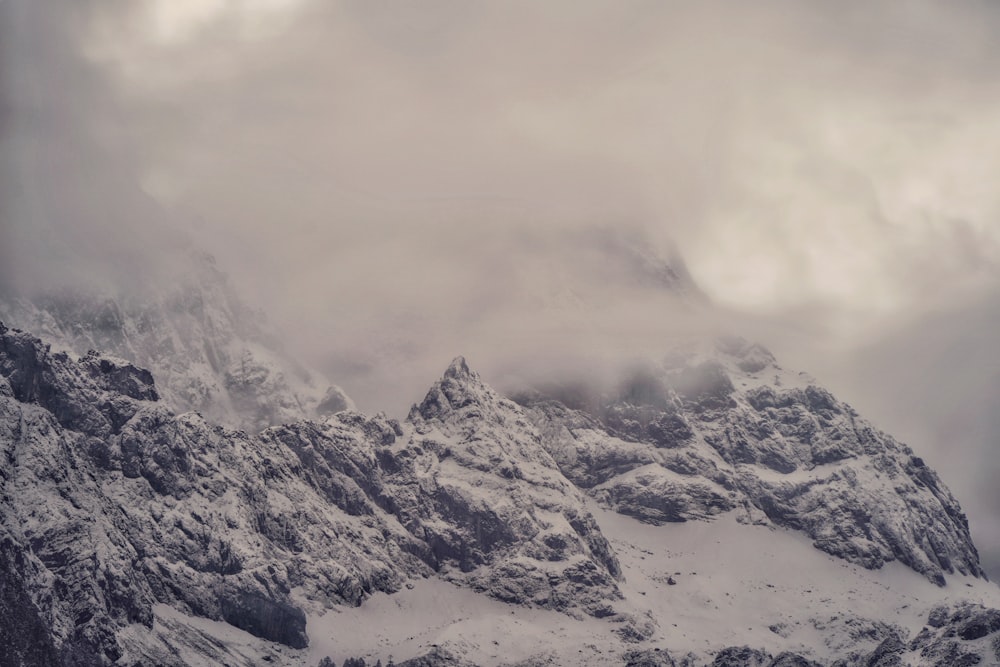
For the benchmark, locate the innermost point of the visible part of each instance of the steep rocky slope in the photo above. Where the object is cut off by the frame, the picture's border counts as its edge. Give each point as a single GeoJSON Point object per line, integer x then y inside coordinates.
{"type": "Point", "coordinates": [739, 591]}
{"type": "Point", "coordinates": [133, 535]}
{"type": "Point", "coordinates": [476, 463]}
{"type": "Point", "coordinates": [113, 504]}
{"type": "Point", "coordinates": [117, 504]}
{"type": "Point", "coordinates": [724, 428]}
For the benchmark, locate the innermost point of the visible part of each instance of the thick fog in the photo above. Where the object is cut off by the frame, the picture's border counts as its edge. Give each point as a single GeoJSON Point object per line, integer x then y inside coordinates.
{"type": "Point", "coordinates": [399, 183]}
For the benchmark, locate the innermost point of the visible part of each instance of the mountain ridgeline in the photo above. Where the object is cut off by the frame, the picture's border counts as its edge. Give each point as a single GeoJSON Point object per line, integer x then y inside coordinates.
{"type": "Point", "coordinates": [722, 427]}
{"type": "Point", "coordinates": [123, 523]}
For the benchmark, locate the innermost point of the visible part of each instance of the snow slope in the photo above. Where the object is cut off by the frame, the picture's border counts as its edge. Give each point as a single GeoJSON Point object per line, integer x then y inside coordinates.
{"type": "Point", "coordinates": [736, 584]}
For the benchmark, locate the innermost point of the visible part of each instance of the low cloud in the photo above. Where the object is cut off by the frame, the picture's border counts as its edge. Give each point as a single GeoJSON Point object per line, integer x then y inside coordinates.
{"type": "Point", "coordinates": [798, 155]}
{"type": "Point", "coordinates": [398, 184]}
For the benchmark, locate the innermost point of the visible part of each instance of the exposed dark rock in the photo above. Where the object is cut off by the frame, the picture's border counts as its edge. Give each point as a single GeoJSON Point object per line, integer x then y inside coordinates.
{"type": "Point", "coordinates": [788, 659]}
{"type": "Point", "coordinates": [887, 654]}
{"type": "Point", "coordinates": [648, 658]}
{"type": "Point", "coordinates": [634, 629]}
{"type": "Point", "coordinates": [656, 496]}
{"type": "Point", "coordinates": [495, 449]}
{"type": "Point", "coordinates": [159, 508]}
{"type": "Point", "coordinates": [967, 621]}
{"type": "Point", "coordinates": [741, 656]}
{"type": "Point", "coordinates": [959, 635]}
{"type": "Point", "coordinates": [90, 395]}
{"type": "Point", "coordinates": [438, 657]}
{"type": "Point", "coordinates": [24, 634]}
{"type": "Point", "coordinates": [263, 617]}
{"type": "Point", "coordinates": [131, 506]}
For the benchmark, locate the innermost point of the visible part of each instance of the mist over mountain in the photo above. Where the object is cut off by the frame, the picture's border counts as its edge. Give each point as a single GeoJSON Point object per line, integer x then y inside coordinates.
{"type": "Point", "coordinates": [401, 186]}
{"type": "Point", "coordinates": [566, 195]}
{"type": "Point", "coordinates": [936, 379]}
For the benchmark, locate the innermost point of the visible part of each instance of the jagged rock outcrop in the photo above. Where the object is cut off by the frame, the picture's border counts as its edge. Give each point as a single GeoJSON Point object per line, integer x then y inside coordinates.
{"type": "Point", "coordinates": [741, 656]}
{"type": "Point", "coordinates": [961, 634]}
{"type": "Point", "coordinates": [24, 633]}
{"type": "Point", "coordinates": [436, 658]}
{"type": "Point", "coordinates": [648, 658]}
{"type": "Point", "coordinates": [727, 428]}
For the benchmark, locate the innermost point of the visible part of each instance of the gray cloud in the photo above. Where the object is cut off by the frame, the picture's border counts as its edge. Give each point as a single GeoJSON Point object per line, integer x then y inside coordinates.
{"type": "Point", "coordinates": [833, 143]}
{"type": "Point", "coordinates": [69, 205]}
{"type": "Point", "coordinates": [402, 183]}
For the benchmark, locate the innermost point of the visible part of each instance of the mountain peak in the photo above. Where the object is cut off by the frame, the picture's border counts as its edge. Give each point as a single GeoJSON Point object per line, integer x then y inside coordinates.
{"type": "Point", "coordinates": [459, 388]}
{"type": "Point", "coordinates": [459, 369]}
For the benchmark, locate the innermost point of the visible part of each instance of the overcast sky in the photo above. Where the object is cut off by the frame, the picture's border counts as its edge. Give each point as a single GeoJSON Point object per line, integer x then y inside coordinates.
{"type": "Point", "coordinates": [400, 182]}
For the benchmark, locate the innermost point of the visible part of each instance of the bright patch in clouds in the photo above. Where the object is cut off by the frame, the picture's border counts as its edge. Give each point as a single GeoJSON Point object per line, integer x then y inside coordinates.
{"type": "Point", "coordinates": [175, 21]}
{"type": "Point", "coordinates": [171, 22]}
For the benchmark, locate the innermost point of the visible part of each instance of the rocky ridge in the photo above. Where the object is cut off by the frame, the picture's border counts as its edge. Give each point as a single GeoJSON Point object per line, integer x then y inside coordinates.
{"type": "Point", "coordinates": [120, 518]}
{"type": "Point", "coordinates": [726, 429]}
{"type": "Point", "coordinates": [113, 504]}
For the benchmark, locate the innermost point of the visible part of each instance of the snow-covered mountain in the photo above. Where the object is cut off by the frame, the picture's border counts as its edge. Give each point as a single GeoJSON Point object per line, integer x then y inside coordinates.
{"type": "Point", "coordinates": [210, 351]}
{"type": "Point", "coordinates": [717, 510]}
{"type": "Point", "coordinates": [725, 428]}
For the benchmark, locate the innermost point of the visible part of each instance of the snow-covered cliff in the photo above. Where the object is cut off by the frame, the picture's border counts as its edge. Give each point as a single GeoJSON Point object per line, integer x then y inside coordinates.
{"type": "Point", "coordinates": [477, 531]}
{"type": "Point", "coordinates": [720, 428]}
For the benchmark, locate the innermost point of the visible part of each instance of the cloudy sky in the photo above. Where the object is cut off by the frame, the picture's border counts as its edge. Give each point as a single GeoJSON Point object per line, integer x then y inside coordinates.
{"type": "Point", "coordinates": [400, 182]}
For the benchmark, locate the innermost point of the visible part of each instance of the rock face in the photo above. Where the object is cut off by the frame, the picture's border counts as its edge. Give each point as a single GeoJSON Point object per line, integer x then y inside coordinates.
{"type": "Point", "coordinates": [962, 634]}
{"type": "Point", "coordinates": [210, 352]}
{"type": "Point", "coordinates": [117, 504]}
{"type": "Point", "coordinates": [112, 504]}
{"type": "Point", "coordinates": [24, 634]}
{"type": "Point", "coordinates": [476, 461]}
{"type": "Point", "coordinates": [117, 513]}
{"type": "Point", "coordinates": [726, 429]}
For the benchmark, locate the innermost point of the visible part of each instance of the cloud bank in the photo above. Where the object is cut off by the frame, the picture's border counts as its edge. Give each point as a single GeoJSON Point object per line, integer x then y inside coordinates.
{"type": "Point", "coordinates": [400, 183]}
